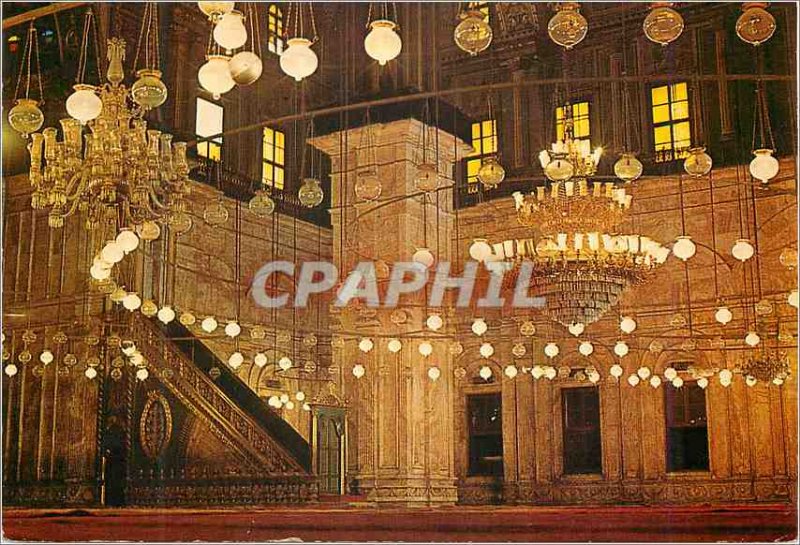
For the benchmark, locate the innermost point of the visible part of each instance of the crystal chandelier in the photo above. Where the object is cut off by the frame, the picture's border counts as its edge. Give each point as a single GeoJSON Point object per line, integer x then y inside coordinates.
{"type": "Point", "coordinates": [580, 263]}
{"type": "Point", "coordinates": [118, 168]}
{"type": "Point", "coordinates": [580, 275]}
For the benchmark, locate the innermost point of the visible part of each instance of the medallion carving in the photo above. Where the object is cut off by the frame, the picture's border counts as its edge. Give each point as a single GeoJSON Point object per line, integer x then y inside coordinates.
{"type": "Point", "coordinates": [155, 425]}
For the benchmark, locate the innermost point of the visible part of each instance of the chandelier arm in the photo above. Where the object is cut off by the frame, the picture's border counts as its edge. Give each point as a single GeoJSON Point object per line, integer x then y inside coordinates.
{"type": "Point", "coordinates": [80, 179]}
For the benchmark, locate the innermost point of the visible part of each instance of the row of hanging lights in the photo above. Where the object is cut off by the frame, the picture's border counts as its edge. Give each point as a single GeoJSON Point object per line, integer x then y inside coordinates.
{"type": "Point", "coordinates": [662, 25]}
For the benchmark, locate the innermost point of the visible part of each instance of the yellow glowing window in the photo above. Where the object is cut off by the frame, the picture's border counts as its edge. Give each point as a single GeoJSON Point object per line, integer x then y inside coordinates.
{"type": "Point", "coordinates": [275, 41]}
{"type": "Point", "coordinates": [484, 144]}
{"type": "Point", "coordinates": [672, 134]}
{"type": "Point", "coordinates": [208, 122]}
{"type": "Point", "coordinates": [483, 7]}
{"type": "Point", "coordinates": [580, 121]}
{"type": "Point", "coordinates": [273, 160]}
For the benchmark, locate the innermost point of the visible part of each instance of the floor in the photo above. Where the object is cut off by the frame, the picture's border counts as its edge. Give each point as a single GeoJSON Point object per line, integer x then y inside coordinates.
{"type": "Point", "coordinates": [491, 523]}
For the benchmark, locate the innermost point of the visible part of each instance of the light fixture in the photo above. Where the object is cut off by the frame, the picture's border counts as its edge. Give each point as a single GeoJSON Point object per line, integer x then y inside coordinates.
{"type": "Point", "coordinates": [131, 301]}
{"type": "Point", "coordinates": [628, 168]}
{"type": "Point", "coordinates": [537, 372]}
{"type": "Point", "coordinates": [285, 363]}
{"type": "Point", "coordinates": [83, 104]}
{"type": "Point", "coordinates": [367, 187]}
{"type": "Point", "coordinates": [11, 369]}
{"type": "Point", "coordinates": [284, 398]}
{"type": "Point", "coordinates": [616, 370]}
{"type": "Point", "coordinates": [742, 250]}
{"type": "Point", "coordinates": [485, 372]}
{"type": "Point", "coordinates": [260, 359]}
{"type": "Point", "coordinates": [670, 373]}
{"type": "Point", "coordinates": [425, 349]}
{"type": "Point", "coordinates": [627, 325]}
{"type": "Point", "coordinates": [289, 405]}
{"type": "Point", "coordinates": [232, 329]}
{"type": "Point", "coordinates": [764, 166]}
{"type": "Point", "coordinates": [300, 396]}
{"type": "Point", "coordinates": [298, 60]}
{"type": "Point", "coordinates": [576, 328]}
{"type": "Point", "coordinates": [427, 177]}
{"type": "Point", "coordinates": [551, 350]}
{"type": "Point", "coordinates": [235, 360]}
{"type": "Point", "coordinates": [473, 33]}
{"type": "Point", "coordinates": [434, 373]}
{"type": "Point", "coordinates": [677, 382]}
{"type": "Point", "coordinates": [90, 373]}
{"type": "Point", "coordinates": [261, 204]}
{"type": "Point", "coordinates": [365, 344]}
{"type": "Point", "coordinates": [527, 329]}
{"type": "Point", "coordinates": [479, 326]}
{"type": "Point", "coordinates": [245, 67]}
{"type": "Point", "coordinates": [491, 174]}
{"type": "Point", "coordinates": [230, 32]}
{"type": "Point", "coordinates": [621, 349]}
{"type": "Point", "coordinates": [550, 373]}
{"type": "Point", "coordinates": [511, 371]}
{"type": "Point", "coordinates": [755, 25]}
{"type": "Point", "coordinates": [127, 240]}
{"type": "Point", "coordinates": [684, 248]}
{"type": "Point", "coordinates": [567, 27]}
{"type": "Point", "coordinates": [215, 10]}
{"type": "Point", "coordinates": [166, 314]}
{"type": "Point", "coordinates": [486, 350]}
{"type": "Point", "coordinates": [767, 367]}
{"type": "Point", "coordinates": [382, 42]}
{"type": "Point", "coordinates": [593, 376]}
{"type": "Point", "coordinates": [395, 346]}
{"type": "Point", "coordinates": [215, 76]}
{"type": "Point", "coordinates": [663, 25]}
{"type": "Point", "coordinates": [698, 163]}
{"type": "Point", "coordinates": [586, 348]}
{"type": "Point", "coordinates": [310, 193]}
{"type": "Point", "coordinates": [132, 187]}
{"type": "Point", "coordinates": [149, 308]}
{"type": "Point", "coordinates": [209, 324]}
{"type": "Point", "coordinates": [633, 380]}
{"type": "Point", "coordinates": [723, 315]}
{"type": "Point", "coordinates": [480, 250]}
{"type": "Point", "coordinates": [187, 318]}
{"type": "Point", "coordinates": [643, 372]}
{"type": "Point", "coordinates": [655, 381]}
{"type": "Point", "coordinates": [518, 350]}
{"type": "Point", "coordinates": [752, 338]}
{"type": "Point", "coordinates": [702, 383]}
{"type": "Point", "coordinates": [434, 322]}
{"type": "Point", "coordinates": [46, 357]}
{"type": "Point", "coordinates": [424, 257]}
{"type": "Point", "coordinates": [25, 116]}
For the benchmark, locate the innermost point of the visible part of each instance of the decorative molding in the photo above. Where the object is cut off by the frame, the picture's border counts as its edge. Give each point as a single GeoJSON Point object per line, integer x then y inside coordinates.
{"type": "Point", "coordinates": [155, 425]}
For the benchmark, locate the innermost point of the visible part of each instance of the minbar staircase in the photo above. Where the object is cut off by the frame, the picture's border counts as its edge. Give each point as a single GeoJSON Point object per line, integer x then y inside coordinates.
{"type": "Point", "coordinates": [274, 462]}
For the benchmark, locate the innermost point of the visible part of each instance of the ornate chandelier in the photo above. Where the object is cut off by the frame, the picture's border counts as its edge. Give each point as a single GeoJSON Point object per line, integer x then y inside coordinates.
{"type": "Point", "coordinates": [117, 170]}
{"type": "Point", "coordinates": [581, 264]}
{"type": "Point", "coordinates": [767, 367]}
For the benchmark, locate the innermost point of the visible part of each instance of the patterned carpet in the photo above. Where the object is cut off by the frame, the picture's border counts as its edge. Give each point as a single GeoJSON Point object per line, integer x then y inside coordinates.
{"type": "Point", "coordinates": [490, 523]}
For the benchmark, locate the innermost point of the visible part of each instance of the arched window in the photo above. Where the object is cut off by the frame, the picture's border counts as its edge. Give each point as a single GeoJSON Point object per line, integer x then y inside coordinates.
{"type": "Point", "coordinates": [275, 41]}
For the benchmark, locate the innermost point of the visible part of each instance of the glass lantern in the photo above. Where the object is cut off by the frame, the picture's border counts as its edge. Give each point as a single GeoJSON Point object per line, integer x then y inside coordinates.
{"type": "Point", "coordinates": [310, 193]}
{"type": "Point", "coordinates": [473, 34]}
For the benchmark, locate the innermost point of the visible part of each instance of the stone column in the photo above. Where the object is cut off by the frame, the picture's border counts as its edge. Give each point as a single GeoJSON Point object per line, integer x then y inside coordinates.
{"type": "Point", "coordinates": [400, 421]}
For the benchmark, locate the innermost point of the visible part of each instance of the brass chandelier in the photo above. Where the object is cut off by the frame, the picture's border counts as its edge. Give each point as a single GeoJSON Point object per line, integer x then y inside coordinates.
{"type": "Point", "coordinates": [581, 264]}
{"type": "Point", "coordinates": [119, 172]}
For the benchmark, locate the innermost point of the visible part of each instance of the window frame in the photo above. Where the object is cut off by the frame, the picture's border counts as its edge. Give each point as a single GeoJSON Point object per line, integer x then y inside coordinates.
{"type": "Point", "coordinates": [474, 467]}
{"type": "Point", "coordinates": [213, 146]}
{"type": "Point", "coordinates": [275, 29]}
{"type": "Point", "coordinates": [671, 423]}
{"type": "Point", "coordinates": [276, 164]}
{"type": "Point", "coordinates": [568, 466]}
{"type": "Point", "coordinates": [673, 152]}
{"type": "Point", "coordinates": [474, 160]}
{"type": "Point", "coordinates": [580, 117]}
